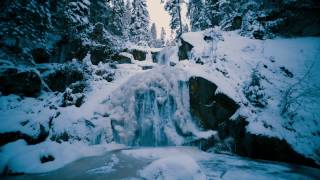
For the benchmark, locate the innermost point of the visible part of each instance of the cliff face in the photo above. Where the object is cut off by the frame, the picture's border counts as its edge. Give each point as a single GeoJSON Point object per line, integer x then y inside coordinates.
{"type": "Point", "coordinates": [38, 31]}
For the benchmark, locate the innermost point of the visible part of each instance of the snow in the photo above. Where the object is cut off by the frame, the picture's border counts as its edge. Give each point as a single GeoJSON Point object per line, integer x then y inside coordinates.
{"type": "Point", "coordinates": [19, 157]}
{"type": "Point", "coordinates": [178, 167]}
{"type": "Point", "coordinates": [239, 56]}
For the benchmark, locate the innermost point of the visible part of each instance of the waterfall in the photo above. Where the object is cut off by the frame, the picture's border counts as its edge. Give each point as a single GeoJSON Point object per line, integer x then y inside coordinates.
{"type": "Point", "coordinates": [152, 109]}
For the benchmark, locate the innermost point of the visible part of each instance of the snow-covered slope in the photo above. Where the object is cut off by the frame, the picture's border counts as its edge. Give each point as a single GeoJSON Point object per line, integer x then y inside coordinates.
{"type": "Point", "coordinates": [257, 74]}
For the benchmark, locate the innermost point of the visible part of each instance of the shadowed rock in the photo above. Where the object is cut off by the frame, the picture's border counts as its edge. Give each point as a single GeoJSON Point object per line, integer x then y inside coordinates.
{"type": "Point", "coordinates": [210, 108]}
{"type": "Point", "coordinates": [184, 49]}
{"type": "Point", "coordinates": [25, 83]}
{"type": "Point", "coordinates": [14, 136]}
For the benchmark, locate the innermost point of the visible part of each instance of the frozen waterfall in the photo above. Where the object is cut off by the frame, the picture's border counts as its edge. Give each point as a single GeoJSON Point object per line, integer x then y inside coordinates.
{"type": "Point", "coordinates": [152, 109]}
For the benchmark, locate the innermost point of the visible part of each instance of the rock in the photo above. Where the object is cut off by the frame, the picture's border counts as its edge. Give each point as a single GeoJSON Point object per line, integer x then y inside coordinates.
{"type": "Point", "coordinates": [40, 55]}
{"type": "Point", "coordinates": [260, 146]}
{"type": "Point", "coordinates": [100, 54]}
{"type": "Point", "coordinates": [139, 55]}
{"type": "Point", "coordinates": [146, 67]}
{"type": "Point", "coordinates": [46, 158]}
{"type": "Point", "coordinates": [286, 72]}
{"type": "Point", "coordinates": [59, 138]}
{"type": "Point", "coordinates": [14, 136]}
{"type": "Point", "coordinates": [122, 58]}
{"type": "Point", "coordinates": [210, 108]}
{"type": "Point", "coordinates": [155, 55]}
{"type": "Point", "coordinates": [236, 23]}
{"type": "Point", "coordinates": [71, 98]}
{"type": "Point", "coordinates": [213, 111]}
{"type": "Point", "coordinates": [184, 49]}
{"type": "Point", "coordinates": [60, 79]}
{"type": "Point", "coordinates": [14, 81]}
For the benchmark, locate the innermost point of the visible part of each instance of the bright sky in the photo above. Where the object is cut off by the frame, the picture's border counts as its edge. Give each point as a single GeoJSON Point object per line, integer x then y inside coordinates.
{"type": "Point", "coordinates": [158, 15]}
{"type": "Point", "coordinates": [161, 17]}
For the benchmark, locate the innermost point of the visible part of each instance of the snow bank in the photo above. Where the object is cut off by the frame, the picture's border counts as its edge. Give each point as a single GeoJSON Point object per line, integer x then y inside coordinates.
{"type": "Point", "coordinates": [18, 157]}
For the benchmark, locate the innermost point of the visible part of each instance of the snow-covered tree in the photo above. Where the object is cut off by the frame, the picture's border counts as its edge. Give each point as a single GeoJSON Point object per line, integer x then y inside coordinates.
{"type": "Point", "coordinates": [140, 22]}
{"type": "Point", "coordinates": [153, 34]}
{"type": "Point", "coordinates": [174, 9]}
{"type": "Point", "coordinates": [117, 23]}
{"type": "Point", "coordinates": [127, 19]}
{"type": "Point", "coordinates": [100, 11]}
{"type": "Point", "coordinates": [197, 13]}
{"type": "Point", "coordinates": [153, 31]}
{"type": "Point", "coordinates": [163, 35]}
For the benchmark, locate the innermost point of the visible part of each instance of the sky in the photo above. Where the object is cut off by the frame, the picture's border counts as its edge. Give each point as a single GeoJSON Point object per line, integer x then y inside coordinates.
{"type": "Point", "coordinates": [158, 15]}
{"type": "Point", "coordinates": [161, 17]}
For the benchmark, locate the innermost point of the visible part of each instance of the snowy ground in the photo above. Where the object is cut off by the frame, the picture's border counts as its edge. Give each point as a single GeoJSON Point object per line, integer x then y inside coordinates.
{"type": "Point", "coordinates": [229, 62]}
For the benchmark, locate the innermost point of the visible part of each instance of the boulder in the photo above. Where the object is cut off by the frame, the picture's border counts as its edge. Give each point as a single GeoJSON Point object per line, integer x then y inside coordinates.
{"type": "Point", "coordinates": [210, 108]}
{"type": "Point", "coordinates": [60, 79]}
{"type": "Point", "coordinates": [24, 82]}
{"type": "Point", "coordinates": [184, 49]}
{"type": "Point", "coordinates": [139, 55]}
{"type": "Point", "coordinates": [122, 58]}
{"type": "Point", "coordinates": [259, 146]}
{"type": "Point", "coordinates": [100, 54]}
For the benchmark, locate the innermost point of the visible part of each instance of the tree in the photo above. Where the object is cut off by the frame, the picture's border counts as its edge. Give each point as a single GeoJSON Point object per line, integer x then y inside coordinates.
{"type": "Point", "coordinates": [153, 31]}
{"type": "Point", "coordinates": [100, 11]}
{"type": "Point", "coordinates": [197, 13]}
{"type": "Point", "coordinates": [153, 34]}
{"type": "Point", "coordinates": [117, 23]}
{"type": "Point", "coordinates": [174, 9]}
{"type": "Point", "coordinates": [140, 22]}
{"type": "Point", "coordinates": [163, 35]}
{"type": "Point", "coordinates": [302, 94]}
{"type": "Point", "coordinates": [127, 19]}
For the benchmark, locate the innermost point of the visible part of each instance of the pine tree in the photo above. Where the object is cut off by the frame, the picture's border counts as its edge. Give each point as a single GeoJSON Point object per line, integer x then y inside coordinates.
{"type": "Point", "coordinates": [117, 24]}
{"type": "Point", "coordinates": [140, 22]}
{"type": "Point", "coordinates": [174, 9]}
{"type": "Point", "coordinates": [163, 36]}
{"type": "Point", "coordinates": [100, 11]}
{"type": "Point", "coordinates": [197, 13]}
{"type": "Point", "coordinates": [127, 19]}
{"type": "Point", "coordinates": [153, 31]}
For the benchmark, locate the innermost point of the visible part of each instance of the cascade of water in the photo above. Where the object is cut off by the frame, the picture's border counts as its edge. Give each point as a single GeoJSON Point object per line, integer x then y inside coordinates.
{"type": "Point", "coordinates": [152, 109]}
